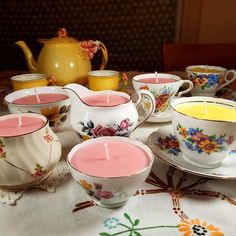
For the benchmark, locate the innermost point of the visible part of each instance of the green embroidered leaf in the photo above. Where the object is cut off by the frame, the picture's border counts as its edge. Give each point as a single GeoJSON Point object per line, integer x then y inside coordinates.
{"type": "Point", "coordinates": [104, 234]}
{"type": "Point", "coordinates": [82, 123]}
{"type": "Point", "coordinates": [137, 233]}
{"type": "Point", "coordinates": [127, 217]}
{"type": "Point", "coordinates": [136, 222]}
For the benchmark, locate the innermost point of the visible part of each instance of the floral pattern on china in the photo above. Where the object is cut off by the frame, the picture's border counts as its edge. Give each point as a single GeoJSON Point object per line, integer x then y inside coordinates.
{"type": "Point", "coordinates": [162, 100]}
{"type": "Point", "coordinates": [206, 81]}
{"type": "Point", "coordinates": [111, 129]}
{"type": "Point", "coordinates": [196, 140]}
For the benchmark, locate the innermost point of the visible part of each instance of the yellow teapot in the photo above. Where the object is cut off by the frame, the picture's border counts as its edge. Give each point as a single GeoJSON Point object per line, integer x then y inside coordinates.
{"type": "Point", "coordinates": [65, 58]}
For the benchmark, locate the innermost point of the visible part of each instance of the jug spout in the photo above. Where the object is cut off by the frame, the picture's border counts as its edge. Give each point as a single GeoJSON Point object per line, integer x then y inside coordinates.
{"type": "Point", "coordinates": [76, 92]}
{"type": "Point", "coordinates": [32, 64]}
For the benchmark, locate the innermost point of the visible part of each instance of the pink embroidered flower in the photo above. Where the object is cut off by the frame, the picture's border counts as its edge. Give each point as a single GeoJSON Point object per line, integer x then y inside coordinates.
{"type": "Point", "coordinates": [124, 124]}
{"type": "Point", "coordinates": [99, 131]}
{"type": "Point", "coordinates": [91, 48]}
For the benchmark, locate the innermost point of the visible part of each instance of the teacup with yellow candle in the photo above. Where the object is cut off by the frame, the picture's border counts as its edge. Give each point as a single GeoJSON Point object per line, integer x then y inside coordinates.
{"type": "Point", "coordinates": [31, 80]}
{"type": "Point", "coordinates": [207, 80]}
{"type": "Point", "coordinates": [205, 128]}
{"type": "Point", "coordinates": [107, 79]}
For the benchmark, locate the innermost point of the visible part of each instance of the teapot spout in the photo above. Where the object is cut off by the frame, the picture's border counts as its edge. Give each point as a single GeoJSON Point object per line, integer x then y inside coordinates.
{"type": "Point", "coordinates": [32, 64]}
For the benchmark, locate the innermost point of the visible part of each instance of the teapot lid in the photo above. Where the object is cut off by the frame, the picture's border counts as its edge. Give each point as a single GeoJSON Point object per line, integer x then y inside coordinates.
{"type": "Point", "coordinates": [61, 38]}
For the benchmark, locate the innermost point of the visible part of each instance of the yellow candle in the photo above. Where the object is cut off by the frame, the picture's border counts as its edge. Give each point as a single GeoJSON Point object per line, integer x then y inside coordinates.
{"type": "Point", "coordinates": [205, 70]}
{"type": "Point", "coordinates": [209, 111]}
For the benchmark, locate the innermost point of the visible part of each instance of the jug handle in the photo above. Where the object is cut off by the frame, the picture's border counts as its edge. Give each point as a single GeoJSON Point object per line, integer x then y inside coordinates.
{"type": "Point", "coordinates": [141, 94]}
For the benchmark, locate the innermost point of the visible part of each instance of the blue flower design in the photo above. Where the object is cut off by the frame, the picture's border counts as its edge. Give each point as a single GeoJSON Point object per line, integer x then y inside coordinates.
{"type": "Point", "coordinates": [192, 131]}
{"type": "Point", "coordinates": [190, 146]}
{"type": "Point", "coordinates": [212, 80]}
{"type": "Point", "coordinates": [111, 223]}
{"type": "Point", "coordinates": [220, 140]}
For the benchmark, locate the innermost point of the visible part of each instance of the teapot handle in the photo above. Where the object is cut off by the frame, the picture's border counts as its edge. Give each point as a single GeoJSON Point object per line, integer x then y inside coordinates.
{"type": "Point", "coordinates": [141, 94]}
{"type": "Point", "coordinates": [92, 47]}
{"type": "Point", "coordinates": [103, 48]}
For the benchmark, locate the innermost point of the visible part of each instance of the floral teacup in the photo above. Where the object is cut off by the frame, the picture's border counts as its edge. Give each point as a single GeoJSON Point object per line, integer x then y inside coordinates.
{"type": "Point", "coordinates": [207, 80]}
{"type": "Point", "coordinates": [55, 110]}
{"type": "Point", "coordinates": [164, 88]}
{"type": "Point", "coordinates": [205, 128]}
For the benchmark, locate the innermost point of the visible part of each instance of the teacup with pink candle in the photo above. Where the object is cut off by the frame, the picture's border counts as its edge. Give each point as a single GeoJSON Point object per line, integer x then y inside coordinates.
{"type": "Point", "coordinates": [110, 169]}
{"type": "Point", "coordinates": [51, 102]}
{"type": "Point", "coordinates": [29, 150]}
{"type": "Point", "coordinates": [164, 88]}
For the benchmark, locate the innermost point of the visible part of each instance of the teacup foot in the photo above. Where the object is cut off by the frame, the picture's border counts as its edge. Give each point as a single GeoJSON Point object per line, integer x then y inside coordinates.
{"type": "Point", "coordinates": [111, 205]}
{"type": "Point", "coordinates": [193, 163]}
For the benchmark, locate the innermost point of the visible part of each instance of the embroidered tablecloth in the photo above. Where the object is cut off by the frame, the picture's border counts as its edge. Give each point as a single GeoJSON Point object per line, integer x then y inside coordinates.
{"type": "Point", "coordinates": [170, 202]}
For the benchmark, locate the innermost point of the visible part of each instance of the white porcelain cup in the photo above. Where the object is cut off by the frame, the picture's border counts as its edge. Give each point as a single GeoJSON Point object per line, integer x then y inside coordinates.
{"type": "Point", "coordinates": [164, 88]}
{"type": "Point", "coordinates": [204, 142]}
{"type": "Point", "coordinates": [207, 80]}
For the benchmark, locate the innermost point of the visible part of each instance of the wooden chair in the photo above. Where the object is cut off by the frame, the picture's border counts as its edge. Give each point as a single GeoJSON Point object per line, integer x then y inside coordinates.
{"type": "Point", "coordinates": [178, 56]}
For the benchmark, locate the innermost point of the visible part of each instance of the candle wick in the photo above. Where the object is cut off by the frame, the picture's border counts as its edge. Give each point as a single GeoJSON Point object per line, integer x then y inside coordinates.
{"type": "Point", "coordinates": [205, 107]}
{"type": "Point", "coordinates": [108, 97]}
{"type": "Point", "coordinates": [107, 151]}
{"type": "Point", "coordinates": [19, 120]}
{"type": "Point", "coordinates": [156, 76]}
{"type": "Point", "coordinates": [37, 96]}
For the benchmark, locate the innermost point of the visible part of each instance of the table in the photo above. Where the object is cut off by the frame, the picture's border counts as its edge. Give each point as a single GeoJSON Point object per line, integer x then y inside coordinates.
{"type": "Point", "coordinates": [170, 202]}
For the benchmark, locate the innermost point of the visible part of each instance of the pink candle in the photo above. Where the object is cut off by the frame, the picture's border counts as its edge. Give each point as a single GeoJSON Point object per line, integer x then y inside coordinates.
{"type": "Point", "coordinates": [43, 98]}
{"type": "Point", "coordinates": [13, 125]}
{"type": "Point", "coordinates": [106, 100]}
{"type": "Point", "coordinates": [157, 80]}
{"type": "Point", "coordinates": [118, 159]}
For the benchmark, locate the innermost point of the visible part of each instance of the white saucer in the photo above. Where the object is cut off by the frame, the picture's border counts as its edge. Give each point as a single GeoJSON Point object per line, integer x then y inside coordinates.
{"type": "Point", "coordinates": [173, 156]}
{"type": "Point", "coordinates": [166, 117]}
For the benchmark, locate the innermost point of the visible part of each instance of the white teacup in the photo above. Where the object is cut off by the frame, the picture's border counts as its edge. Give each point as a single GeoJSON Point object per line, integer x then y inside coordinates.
{"type": "Point", "coordinates": [164, 88]}
{"type": "Point", "coordinates": [207, 80]}
{"type": "Point", "coordinates": [205, 128]}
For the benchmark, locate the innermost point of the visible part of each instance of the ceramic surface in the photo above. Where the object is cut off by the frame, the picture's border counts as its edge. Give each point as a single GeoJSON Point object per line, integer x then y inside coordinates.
{"type": "Point", "coordinates": [25, 160]}
{"type": "Point", "coordinates": [117, 190]}
{"type": "Point", "coordinates": [165, 117]}
{"type": "Point", "coordinates": [107, 79]}
{"type": "Point", "coordinates": [163, 93]}
{"type": "Point", "coordinates": [165, 146]}
{"type": "Point", "coordinates": [56, 112]}
{"type": "Point", "coordinates": [92, 121]}
{"type": "Point", "coordinates": [204, 143]}
{"type": "Point", "coordinates": [209, 82]}
{"type": "Point", "coordinates": [73, 66]}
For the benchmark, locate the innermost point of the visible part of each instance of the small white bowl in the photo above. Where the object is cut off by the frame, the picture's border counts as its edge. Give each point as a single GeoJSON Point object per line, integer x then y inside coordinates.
{"type": "Point", "coordinates": [117, 189]}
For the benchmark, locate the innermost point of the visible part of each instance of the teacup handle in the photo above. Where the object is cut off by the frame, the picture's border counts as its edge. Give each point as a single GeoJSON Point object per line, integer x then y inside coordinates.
{"type": "Point", "coordinates": [186, 90]}
{"type": "Point", "coordinates": [51, 80]}
{"type": "Point", "coordinates": [124, 81]}
{"type": "Point", "coordinates": [141, 94]}
{"type": "Point", "coordinates": [227, 81]}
